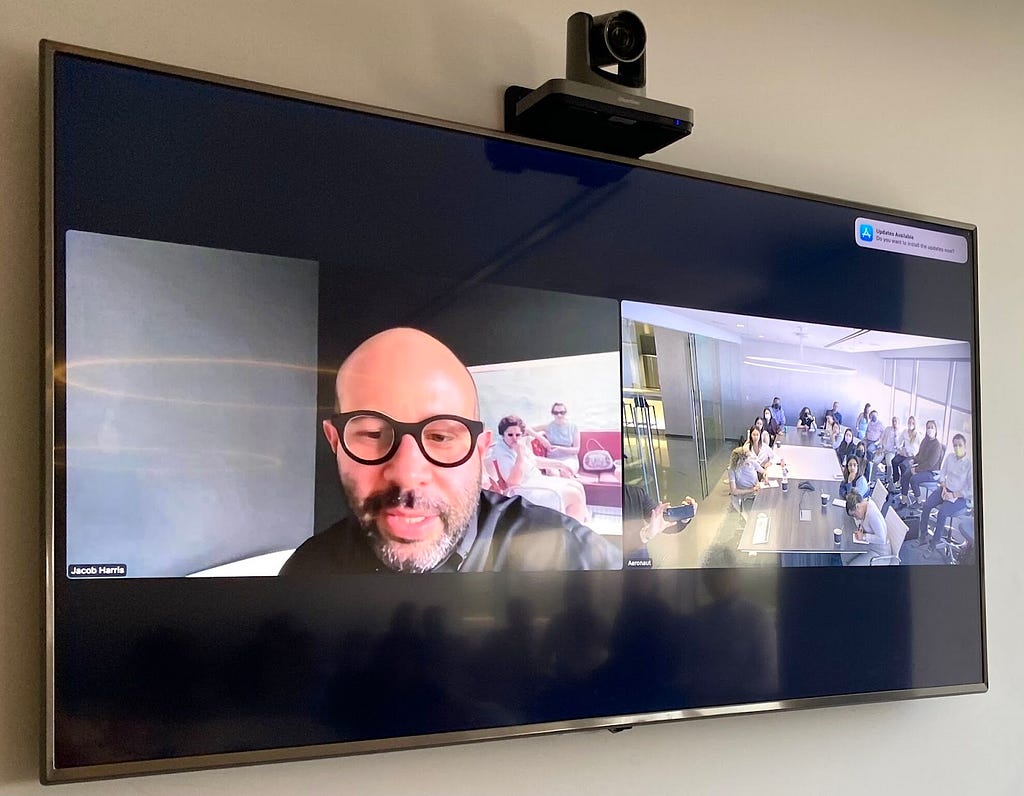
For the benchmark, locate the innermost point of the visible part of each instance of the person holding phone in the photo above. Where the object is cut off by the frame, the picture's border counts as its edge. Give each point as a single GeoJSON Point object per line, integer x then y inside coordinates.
{"type": "Point", "coordinates": [643, 519]}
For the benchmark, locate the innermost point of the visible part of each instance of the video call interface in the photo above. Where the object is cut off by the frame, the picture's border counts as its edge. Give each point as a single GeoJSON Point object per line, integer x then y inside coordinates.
{"type": "Point", "coordinates": [166, 478]}
{"type": "Point", "coordinates": [365, 429]}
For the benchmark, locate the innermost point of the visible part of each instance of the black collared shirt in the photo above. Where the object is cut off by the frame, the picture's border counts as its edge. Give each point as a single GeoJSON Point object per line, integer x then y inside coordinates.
{"type": "Point", "coordinates": [505, 533]}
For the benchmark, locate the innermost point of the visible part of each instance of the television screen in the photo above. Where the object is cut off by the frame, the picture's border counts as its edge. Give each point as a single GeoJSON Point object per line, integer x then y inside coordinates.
{"type": "Point", "coordinates": [367, 432]}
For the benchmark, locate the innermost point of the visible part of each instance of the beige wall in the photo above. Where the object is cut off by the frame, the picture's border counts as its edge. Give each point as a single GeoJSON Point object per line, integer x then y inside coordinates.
{"type": "Point", "coordinates": [914, 105]}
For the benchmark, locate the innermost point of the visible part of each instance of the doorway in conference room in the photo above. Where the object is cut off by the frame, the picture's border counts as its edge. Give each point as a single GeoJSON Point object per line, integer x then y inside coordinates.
{"type": "Point", "coordinates": [673, 388]}
{"type": "Point", "coordinates": [677, 386]}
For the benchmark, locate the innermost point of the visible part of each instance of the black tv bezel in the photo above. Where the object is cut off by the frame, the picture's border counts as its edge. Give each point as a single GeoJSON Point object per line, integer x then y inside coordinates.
{"type": "Point", "coordinates": [49, 773]}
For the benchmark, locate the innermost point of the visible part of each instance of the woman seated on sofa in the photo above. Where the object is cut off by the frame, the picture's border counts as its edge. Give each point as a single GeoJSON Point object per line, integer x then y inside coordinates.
{"type": "Point", "coordinates": [511, 464]}
{"type": "Point", "coordinates": [560, 438]}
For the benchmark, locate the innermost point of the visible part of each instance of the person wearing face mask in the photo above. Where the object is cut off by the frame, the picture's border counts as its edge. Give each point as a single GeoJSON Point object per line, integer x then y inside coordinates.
{"type": "Point", "coordinates": [907, 446]}
{"type": "Point", "coordinates": [887, 445]}
{"type": "Point", "coordinates": [860, 453]}
{"type": "Point", "coordinates": [873, 433]}
{"type": "Point", "coordinates": [846, 447]}
{"type": "Point", "coordinates": [924, 465]}
{"type": "Point", "coordinates": [769, 423]}
{"type": "Point", "coordinates": [956, 480]}
{"type": "Point", "coordinates": [778, 413]}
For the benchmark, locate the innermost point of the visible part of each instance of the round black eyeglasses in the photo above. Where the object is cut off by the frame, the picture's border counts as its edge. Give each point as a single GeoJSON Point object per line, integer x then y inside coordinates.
{"type": "Point", "coordinates": [370, 437]}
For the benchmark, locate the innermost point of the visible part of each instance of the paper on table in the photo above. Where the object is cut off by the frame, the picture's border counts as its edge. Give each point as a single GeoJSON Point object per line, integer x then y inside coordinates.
{"type": "Point", "coordinates": [772, 485]}
{"type": "Point", "coordinates": [839, 502]}
{"type": "Point", "coordinates": [859, 541]}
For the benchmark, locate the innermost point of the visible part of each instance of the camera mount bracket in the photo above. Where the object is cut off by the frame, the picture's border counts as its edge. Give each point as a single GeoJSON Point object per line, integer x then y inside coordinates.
{"type": "Point", "coordinates": [598, 119]}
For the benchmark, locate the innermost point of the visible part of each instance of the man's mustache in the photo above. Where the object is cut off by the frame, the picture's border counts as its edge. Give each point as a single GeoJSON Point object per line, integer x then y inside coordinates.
{"type": "Point", "coordinates": [394, 497]}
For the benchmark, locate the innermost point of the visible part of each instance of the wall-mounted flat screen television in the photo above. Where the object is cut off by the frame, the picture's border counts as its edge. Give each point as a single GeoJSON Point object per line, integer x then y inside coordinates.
{"type": "Point", "coordinates": [366, 431]}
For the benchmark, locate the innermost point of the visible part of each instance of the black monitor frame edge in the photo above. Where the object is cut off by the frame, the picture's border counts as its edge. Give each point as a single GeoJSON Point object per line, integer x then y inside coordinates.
{"type": "Point", "coordinates": [50, 774]}
{"type": "Point", "coordinates": [346, 749]}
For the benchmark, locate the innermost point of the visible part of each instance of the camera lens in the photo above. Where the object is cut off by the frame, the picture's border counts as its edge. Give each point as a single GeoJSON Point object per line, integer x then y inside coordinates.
{"type": "Point", "coordinates": [625, 37]}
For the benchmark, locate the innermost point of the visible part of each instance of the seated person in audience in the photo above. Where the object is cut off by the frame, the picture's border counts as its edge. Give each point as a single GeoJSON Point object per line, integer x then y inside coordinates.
{"type": "Point", "coordinates": [873, 433]}
{"type": "Point", "coordinates": [771, 426]}
{"type": "Point", "coordinates": [836, 413]}
{"type": "Point", "coordinates": [906, 449]}
{"type": "Point", "coordinates": [511, 463]}
{"type": "Point", "coordinates": [860, 452]}
{"type": "Point", "coordinates": [870, 529]}
{"type": "Point", "coordinates": [832, 432]}
{"type": "Point", "coordinates": [807, 418]}
{"type": "Point", "coordinates": [560, 438]}
{"type": "Point", "coordinates": [924, 465]}
{"type": "Point", "coordinates": [956, 487]}
{"type": "Point", "coordinates": [766, 445]}
{"type": "Point", "coordinates": [759, 425]}
{"type": "Point", "coordinates": [853, 479]}
{"type": "Point", "coordinates": [886, 451]}
{"type": "Point", "coordinates": [778, 413]}
{"type": "Point", "coordinates": [861, 424]}
{"type": "Point", "coordinates": [743, 481]}
{"type": "Point", "coordinates": [760, 452]}
{"type": "Point", "coordinates": [846, 447]}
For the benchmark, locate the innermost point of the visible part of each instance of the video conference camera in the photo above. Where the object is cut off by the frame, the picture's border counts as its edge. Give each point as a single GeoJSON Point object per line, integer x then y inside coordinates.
{"type": "Point", "coordinates": [602, 103]}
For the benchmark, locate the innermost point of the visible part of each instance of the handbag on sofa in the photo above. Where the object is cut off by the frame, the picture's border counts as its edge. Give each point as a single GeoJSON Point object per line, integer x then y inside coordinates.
{"type": "Point", "coordinates": [596, 459]}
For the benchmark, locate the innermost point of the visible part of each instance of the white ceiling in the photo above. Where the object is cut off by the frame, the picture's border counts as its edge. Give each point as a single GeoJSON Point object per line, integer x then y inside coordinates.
{"type": "Point", "coordinates": [773, 330]}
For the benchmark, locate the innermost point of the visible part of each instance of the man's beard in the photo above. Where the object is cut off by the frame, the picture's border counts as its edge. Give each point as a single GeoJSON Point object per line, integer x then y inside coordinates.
{"type": "Point", "coordinates": [421, 556]}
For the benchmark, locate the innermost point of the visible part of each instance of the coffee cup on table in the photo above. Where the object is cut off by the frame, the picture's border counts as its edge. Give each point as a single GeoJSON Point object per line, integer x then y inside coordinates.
{"type": "Point", "coordinates": [837, 535]}
{"type": "Point", "coordinates": [824, 499]}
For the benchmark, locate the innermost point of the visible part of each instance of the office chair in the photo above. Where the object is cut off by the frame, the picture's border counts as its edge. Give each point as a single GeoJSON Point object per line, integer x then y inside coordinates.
{"type": "Point", "coordinates": [896, 532]}
{"type": "Point", "coordinates": [959, 547]}
{"type": "Point", "coordinates": [962, 524]}
{"type": "Point", "coordinates": [879, 495]}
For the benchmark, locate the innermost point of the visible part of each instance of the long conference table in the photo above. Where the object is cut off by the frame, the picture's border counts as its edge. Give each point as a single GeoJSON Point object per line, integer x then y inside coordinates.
{"type": "Point", "coordinates": [797, 522]}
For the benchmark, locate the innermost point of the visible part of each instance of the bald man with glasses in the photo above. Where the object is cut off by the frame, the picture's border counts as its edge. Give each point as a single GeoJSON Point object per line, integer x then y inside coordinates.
{"type": "Point", "coordinates": [410, 447]}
